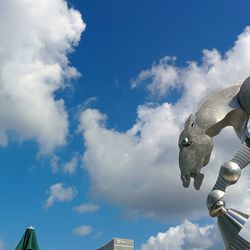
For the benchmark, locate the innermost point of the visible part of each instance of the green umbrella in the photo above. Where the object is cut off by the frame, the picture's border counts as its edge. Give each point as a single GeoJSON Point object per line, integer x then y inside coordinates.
{"type": "Point", "coordinates": [28, 241]}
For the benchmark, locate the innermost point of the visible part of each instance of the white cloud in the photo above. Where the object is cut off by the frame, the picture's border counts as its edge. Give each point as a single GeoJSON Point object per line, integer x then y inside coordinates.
{"type": "Point", "coordinates": [71, 166]}
{"type": "Point", "coordinates": [54, 163]}
{"type": "Point", "coordinates": [138, 168]}
{"type": "Point", "coordinates": [86, 207]}
{"type": "Point", "coordinates": [58, 192]}
{"type": "Point", "coordinates": [36, 37]}
{"type": "Point", "coordinates": [163, 75]}
{"type": "Point", "coordinates": [216, 70]}
{"type": "Point", "coordinates": [186, 236]}
{"type": "Point", "coordinates": [82, 230]}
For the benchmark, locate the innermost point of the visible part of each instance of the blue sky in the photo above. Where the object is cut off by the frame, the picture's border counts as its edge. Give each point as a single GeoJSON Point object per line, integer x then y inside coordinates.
{"type": "Point", "coordinates": [91, 117]}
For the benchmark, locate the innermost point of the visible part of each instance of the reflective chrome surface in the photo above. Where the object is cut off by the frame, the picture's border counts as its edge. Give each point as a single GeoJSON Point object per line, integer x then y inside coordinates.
{"type": "Point", "coordinates": [220, 109]}
{"type": "Point", "coordinates": [215, 202]}
{"type": "Point", "coordinates": [244, 95]}
{"type": "Point", "coordinates": [231, 223]}
{"type": "Point", "coordinates": [230, 172]}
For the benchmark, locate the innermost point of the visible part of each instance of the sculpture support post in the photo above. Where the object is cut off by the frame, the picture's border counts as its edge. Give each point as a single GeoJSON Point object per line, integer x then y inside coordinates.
{"type": "Point", "coordinates": [235, 229]}
{"type": "Point", "coordinates": [234, 225]}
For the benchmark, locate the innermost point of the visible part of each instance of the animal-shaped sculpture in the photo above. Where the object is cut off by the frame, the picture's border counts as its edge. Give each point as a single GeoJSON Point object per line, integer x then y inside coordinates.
{"type": "Point", "coordinates": [219, 109]}
{"type": "Point", "coordinates": [229, 106]}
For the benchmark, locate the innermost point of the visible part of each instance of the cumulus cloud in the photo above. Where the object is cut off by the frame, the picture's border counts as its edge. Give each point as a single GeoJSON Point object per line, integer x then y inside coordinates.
{"type": "Point", "coordinates": [160, 77]}
{"type": "Point", "coordinates": [82, 230]}
{"type": "Point", "coordinates": [86, 208]}
{"type": "Point", "coordinates": [71, 166]}
{"type": "Point", "coordinates": [36, 37]}
{"type": "Point", "coordinates": [216, 70]}
{"type": "Point", "coordinates": [54, 164]}
{"type": "Point", "coordinates": [138, 168]}
{"type": "Point", "coordinates": [185, 236]}
{"type": "Point", "coordinates": [60, 193]}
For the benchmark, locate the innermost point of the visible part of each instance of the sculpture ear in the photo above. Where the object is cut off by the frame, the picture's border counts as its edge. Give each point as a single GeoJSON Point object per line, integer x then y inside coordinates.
{"type": "Point", "coordinates": [190, 121]}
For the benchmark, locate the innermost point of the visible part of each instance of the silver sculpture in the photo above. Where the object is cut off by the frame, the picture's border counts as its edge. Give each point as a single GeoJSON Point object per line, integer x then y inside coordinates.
{"type": "Point", "coordinates": [229, 106]}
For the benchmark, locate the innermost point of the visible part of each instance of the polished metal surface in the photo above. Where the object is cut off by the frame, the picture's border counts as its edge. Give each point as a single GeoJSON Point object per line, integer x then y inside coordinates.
{"type": "Point", "coordinates": [228, 106]}
{"type": "Point", "coordinates": [230, 172]}
{"type": "Point", "coordinates": [220, 109]}
{"type": "Point", "coordinates": [215, 203]}
{"type": "Point", "coordinates": [213, 197]}
{"type": "Point", "coordinates": [230, 223]}
{"type": "Point", "coordinates": [244, 95]}
{"type": "Point", "coordinates": [242, 157]}
{"type": "Point", "coordinates": [245, 231]}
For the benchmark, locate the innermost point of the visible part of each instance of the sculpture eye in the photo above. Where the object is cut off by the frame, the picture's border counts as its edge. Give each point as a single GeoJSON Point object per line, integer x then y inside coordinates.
{"type": "Point", "coordinates": [186, 142]}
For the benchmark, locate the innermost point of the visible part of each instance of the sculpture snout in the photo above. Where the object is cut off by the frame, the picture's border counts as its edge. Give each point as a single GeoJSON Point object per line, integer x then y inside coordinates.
{"type": "Point", "coordinates": [197, 176]}
{"type": "Point", "coordinates": [185, 180]}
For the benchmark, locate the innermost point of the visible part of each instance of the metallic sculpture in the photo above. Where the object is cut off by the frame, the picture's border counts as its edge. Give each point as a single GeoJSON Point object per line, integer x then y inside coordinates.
{"type": "Point", "coordinates": [229, 106]}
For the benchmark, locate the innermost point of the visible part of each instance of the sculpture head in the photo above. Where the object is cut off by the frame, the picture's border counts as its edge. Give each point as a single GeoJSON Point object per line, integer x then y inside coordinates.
{"type": "Point", "coordinates": [195, 151]}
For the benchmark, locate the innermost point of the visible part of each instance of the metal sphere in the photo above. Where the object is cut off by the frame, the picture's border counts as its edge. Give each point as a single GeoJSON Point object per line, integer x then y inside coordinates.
{"type": "Point", "coordinates": [213, 197]}
{"type": "Point", "coordinates": [230, 172]}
